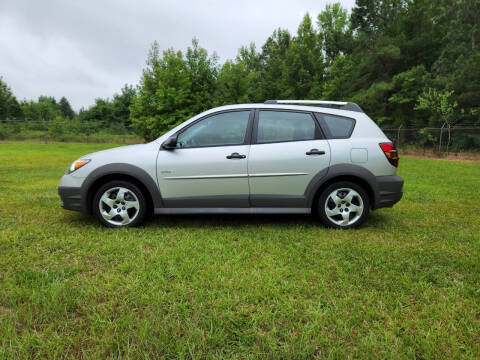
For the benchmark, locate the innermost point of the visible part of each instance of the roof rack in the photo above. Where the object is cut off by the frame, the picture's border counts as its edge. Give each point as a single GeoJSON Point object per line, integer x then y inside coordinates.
{"type": "Point", "coordinates": [342, 105]}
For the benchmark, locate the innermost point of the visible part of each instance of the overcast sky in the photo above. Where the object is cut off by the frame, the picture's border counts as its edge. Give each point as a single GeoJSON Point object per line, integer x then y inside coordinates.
{"type": "Point", "coordinates": [86, 49]}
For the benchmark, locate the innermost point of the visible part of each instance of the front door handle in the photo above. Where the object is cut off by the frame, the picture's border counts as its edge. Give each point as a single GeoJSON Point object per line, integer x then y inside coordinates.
{"type": "Point", "coordinates": [315, 152]}
{"type": "Point", "coordinates": [236, 155]}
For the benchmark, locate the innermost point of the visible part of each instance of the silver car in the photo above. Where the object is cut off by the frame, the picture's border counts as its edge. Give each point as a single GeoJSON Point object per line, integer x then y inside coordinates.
{"type": "Point", "coordinates": [281, 157]}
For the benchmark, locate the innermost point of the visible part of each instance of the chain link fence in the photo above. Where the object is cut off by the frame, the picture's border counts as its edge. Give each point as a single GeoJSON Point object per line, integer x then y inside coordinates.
{"type": "Point", "coordinates": [444, 140]}
{"type": "Point", "coordinates": [67, 131]}
{"type": "Point", "coordinates": [457, 139]}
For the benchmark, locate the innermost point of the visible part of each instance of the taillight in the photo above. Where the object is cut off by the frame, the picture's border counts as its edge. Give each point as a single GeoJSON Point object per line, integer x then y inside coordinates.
{"type": "Point", "coordinates": [390, 152]}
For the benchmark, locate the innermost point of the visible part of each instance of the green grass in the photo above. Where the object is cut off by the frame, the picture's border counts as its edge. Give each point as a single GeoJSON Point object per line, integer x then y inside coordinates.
{"type": "Point", "coordinates": [405, 285]}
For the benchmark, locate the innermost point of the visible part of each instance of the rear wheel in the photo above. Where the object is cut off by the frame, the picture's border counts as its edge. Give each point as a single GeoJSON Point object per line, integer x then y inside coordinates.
{"type": "Point", "coordinates": [343, 205]}
{"type": "Point", "coordinates": [119, 204]}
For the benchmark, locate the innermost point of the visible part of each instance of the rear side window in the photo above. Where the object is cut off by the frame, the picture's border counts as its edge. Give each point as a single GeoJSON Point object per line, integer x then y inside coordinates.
{"type": "Point", "coordinates": [337, 127]}
{"type": "Point", "coordinates": [281, 126]}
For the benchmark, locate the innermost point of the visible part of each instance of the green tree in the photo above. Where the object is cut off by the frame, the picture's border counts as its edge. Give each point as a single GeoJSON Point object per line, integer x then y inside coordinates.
{"type": "Point", "coordinates": [338, 77]}
{"type": "Point", "coordinates": [164, 94]}
{"type": "Point", "coordinates": [377, 18]}
{"type": "Point", "coordinates": [458, 66]}
{"type": "Point", "coordinates": [202, 76]}
{"type": "Point", "coordinates": [173, 88]}
{"type": "Point", "coordinates": [334, 31]}
{"type": "Point", "coordinates": [9, 106]}
{"type": "Point", "coordinates": [113, 114]}
{"type": "Point", "coordinates": [407, 87]}
{"type": "Point", "coordinates": [233, 83]}
{"type": "Point", "coordinates": [303, 68]}
{"type": "Point", "coordinates": [388, 38]}
{"type": "Point", "coordinates": [121, 105]}
{"type": "Point", "coordinates": [47, 108]}
{"type": "Point", "coordinates": [252, 65]}
{"type": "Point", "coordinates": [100, 113]}
{"type": "Point", "coordinates": [65, 108]}
{"type": "Point", "coordinates": [441, 108]}
{"type": "Point", "coordinates": [272, 66]}
{"type": "Point", "coordinates": [30, 110]}
{"type": "Point", "coordinates": [438, 104]}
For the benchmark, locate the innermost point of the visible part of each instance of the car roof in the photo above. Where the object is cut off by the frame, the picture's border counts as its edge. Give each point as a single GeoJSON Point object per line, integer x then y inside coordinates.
{"type": "Point", "coordinates": [309, 108]}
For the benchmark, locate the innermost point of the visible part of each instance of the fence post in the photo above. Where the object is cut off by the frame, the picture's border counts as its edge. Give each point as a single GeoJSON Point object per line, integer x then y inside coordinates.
{"type": "Point", "coordinates": [45, 130]}
{"type": "Point", "coordinates": [440, 142]}
{"type": "Point", "coordinates": [448, 143]}
{"type": "Point", "coordinates": [398, 136]}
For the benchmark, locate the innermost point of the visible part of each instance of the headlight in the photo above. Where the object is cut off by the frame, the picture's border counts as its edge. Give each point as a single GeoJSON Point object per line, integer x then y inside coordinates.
{"type": "Point", "coordinates": [77, 164]}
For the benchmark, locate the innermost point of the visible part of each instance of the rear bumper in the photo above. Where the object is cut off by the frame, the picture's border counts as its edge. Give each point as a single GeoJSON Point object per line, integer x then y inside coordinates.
{"type": "Point", "coordinates": [70, 197]}
{"type": "Point", "coordinates": [389, 191]}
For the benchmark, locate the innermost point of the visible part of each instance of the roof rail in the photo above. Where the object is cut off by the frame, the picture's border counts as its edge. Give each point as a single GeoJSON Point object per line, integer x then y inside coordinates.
{"type": "Point", "coordinates": [342, 105]}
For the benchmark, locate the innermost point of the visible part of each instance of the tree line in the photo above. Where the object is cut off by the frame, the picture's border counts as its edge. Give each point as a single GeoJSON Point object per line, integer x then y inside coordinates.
{"type": "Point", "coordinates": [47, 108]}
{"type": "Point", "coordinates": [414, 63]}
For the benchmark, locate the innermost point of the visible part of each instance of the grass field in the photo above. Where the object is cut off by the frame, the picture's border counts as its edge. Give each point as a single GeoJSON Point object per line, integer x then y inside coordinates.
{"type": "Point", "coordinates": [406, 285]}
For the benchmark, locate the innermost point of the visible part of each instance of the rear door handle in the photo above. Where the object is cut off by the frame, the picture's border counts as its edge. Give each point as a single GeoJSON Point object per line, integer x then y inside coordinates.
{"type": "Point", "coordinates": [236, 155]}
{"type": "Point", "coordinates": [315, 152]}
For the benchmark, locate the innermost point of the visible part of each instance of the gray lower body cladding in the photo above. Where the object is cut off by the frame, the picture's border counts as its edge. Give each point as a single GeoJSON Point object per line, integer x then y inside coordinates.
{"type": "Point", "coordinates": [71, 198]}
{"type": "Point", "coordinates": [220, 210]}
{"type": "Point", "coordinates": [390, 191]}
{"type": "Point", "coordinates": [387, 192]}
{"type": "Point", "coordinates": [237, 201]}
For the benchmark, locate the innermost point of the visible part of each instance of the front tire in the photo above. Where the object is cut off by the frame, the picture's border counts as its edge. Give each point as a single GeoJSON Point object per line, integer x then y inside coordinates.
{"type": "Point", "coordinates": [343, 205]}
{"type": "Point", "coordinates": [119, 204]}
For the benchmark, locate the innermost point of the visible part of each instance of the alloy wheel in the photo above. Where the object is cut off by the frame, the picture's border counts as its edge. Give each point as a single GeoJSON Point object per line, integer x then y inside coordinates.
{"type": "Point", "coordinates": [344, 206]}
{"type": "Point", "coordinates": [119, 206]}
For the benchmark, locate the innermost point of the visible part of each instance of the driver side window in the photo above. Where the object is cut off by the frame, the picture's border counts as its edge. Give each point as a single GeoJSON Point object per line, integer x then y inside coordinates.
{"type": "Point", "coordinates": [227, 128]}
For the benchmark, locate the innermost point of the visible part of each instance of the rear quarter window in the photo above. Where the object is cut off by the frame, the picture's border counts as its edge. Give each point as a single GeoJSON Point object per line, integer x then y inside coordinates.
{"type": "Point", "coordinates": [336, 127]}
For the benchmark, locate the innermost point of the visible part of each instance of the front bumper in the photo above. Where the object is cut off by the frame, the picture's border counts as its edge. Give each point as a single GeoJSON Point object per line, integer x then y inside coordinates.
{"type": "Point", "coordinates": [389, 191]}
{"type": "Point", "coordinates": [70, 191]}
{"type": "Point", "coordinates": [70, 197]}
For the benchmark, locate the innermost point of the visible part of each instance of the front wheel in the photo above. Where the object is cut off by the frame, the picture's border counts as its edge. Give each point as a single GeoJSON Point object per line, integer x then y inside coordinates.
{"type": "Point", "coordinates": [343, 205]}
{"type": "Point", "coordinates": [119, 204]}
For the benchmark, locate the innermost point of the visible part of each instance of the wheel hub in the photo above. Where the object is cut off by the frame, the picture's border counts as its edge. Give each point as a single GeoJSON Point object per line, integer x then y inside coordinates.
{"type": "Point", "coordinates": [119, 206]}
{"type": "Point", "coordinates": [344, 206]}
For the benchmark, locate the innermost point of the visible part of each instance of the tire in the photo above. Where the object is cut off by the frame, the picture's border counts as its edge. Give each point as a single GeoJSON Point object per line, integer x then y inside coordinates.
{"type": "Point", "coordinates": [343, 205]}
{"type": "Point", "coordinates": [119, 204]}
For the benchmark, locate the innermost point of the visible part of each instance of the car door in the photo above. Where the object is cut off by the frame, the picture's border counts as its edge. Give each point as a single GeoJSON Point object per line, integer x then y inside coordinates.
{"type": "Point", "coordinates": [287, 151]}
{"type": "Point", "coordinates": [208, 167]}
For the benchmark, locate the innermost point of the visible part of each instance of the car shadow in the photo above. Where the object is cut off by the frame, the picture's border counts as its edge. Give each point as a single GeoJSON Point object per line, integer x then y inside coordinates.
{"type": "Point", "coordinates": [211, 220]}
{"type": "Point", "coordinates": [375, 219]}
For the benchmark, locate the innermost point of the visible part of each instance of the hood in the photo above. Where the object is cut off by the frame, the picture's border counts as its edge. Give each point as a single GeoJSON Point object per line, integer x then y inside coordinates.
{"type": "Point", "coordinates": [117, 150]}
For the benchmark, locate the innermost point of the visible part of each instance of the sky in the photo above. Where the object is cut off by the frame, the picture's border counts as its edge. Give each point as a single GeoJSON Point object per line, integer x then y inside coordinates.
{"type": "Point", "coordinates": [87, 49]}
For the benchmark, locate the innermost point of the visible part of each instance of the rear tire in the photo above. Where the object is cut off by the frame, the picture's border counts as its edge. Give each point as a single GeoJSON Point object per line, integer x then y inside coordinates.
{"type": "Point", "coordinates": [343, 205]}
{"type": "Point", "coordinates": [118, 204]}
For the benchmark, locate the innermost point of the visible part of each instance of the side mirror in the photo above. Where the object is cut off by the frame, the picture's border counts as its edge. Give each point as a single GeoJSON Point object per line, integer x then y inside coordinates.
{"type": "Point", "coordinates": [170, 143]}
